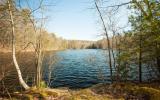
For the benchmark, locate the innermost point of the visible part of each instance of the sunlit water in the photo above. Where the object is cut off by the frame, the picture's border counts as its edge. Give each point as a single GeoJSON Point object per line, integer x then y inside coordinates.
{"type": "Point", "coordinates": [77, 68]}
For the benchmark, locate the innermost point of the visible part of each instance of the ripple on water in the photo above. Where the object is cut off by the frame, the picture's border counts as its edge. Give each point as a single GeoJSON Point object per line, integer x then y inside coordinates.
{"type": "Point", "coordinates": [79, 68]}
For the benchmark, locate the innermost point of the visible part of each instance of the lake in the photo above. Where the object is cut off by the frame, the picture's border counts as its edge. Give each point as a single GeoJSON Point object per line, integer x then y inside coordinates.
{"type": "Point", "coordinates": [77, 68]}
{"type": "Point", "coordinates": [68, 68]}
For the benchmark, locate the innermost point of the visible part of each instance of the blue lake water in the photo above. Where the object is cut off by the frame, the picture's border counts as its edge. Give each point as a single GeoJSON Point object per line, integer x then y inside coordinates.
{"type": "Point", "coordinates": [77, 68]}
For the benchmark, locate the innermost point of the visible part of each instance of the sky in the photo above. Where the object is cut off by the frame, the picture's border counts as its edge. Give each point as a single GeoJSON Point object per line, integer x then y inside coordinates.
{"type": "Point", "coordinates": [73, 19]}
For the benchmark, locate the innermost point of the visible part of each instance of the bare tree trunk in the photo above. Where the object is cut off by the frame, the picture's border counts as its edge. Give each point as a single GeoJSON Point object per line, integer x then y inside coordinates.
{"type": "Point", "coordinates": [140, 52]}
{"type": "Point", "coordinates": [140, 58]}
{"type": "Point", "coordinates": [38, 63]}
{"type": "Point", "coordinates": [113, 54]}
{"type": "Point", "coordinates": [118, 41]}
{"type": "Point", "coordinates": [108, 41]}
{"type": "Point", "coordinates": [40, 55]}
{"type": "Point", "coordinates": [22, 82]}
{"type": "Point", "coordinates": [158, 57]}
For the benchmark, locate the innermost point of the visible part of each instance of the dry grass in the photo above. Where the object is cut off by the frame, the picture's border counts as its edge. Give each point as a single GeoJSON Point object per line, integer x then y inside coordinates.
{"type": "Point", "coordinates": [130, 91]}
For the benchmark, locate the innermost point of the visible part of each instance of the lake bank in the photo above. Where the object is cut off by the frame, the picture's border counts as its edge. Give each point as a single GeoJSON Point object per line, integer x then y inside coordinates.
{"type": "Point", "coordinates": [115, 91]}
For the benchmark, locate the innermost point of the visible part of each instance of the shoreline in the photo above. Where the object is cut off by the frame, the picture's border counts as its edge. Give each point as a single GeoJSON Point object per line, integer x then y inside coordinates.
{"type": "Point", "coordinates": [22, 51]}
{"type": "Point", "coordinates": [114, 91]}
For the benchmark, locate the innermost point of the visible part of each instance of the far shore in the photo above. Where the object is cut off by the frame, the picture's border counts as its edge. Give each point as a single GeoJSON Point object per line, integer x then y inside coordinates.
{"type": "Point", "coordinates": [2, 50]}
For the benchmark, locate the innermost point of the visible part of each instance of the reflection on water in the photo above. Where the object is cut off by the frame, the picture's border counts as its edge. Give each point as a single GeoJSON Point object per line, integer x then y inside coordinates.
{"type": "Point", "coordinates": [78, 69]}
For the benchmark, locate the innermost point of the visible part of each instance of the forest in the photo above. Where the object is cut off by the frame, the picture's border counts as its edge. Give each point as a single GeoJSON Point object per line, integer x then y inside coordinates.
{"type": "Point", "coordinates": [124, 64]}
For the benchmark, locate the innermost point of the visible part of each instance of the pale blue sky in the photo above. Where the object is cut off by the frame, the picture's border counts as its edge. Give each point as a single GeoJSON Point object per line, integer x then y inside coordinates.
{"type": "Point", "coordinates": [72, 19]}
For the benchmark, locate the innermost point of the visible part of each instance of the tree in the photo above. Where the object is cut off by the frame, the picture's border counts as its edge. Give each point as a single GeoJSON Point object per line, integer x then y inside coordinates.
{"type": "Point", "coordinates": [139, 46]}
{"type": "Point", "coordinates": [108, 41]}
{"type": "Point", "coordinates": [22, 82]}
{"type": "Point", "coordinates": [146, 27]}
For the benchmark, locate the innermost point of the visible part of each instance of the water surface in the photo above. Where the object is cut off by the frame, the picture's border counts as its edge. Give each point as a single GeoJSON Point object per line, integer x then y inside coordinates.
{"type": "Point", "coordinates": [78, 68]}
